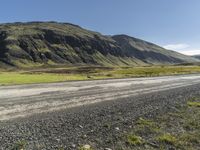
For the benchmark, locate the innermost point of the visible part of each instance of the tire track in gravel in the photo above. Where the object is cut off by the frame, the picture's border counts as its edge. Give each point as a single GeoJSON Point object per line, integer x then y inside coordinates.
{"type": "Point", "coordinates": [19, 101]}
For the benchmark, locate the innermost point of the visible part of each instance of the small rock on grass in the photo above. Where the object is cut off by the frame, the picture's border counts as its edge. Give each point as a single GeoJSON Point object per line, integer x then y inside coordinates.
{"type": "Point", "coordinates": [86, 147]}
{"type": "Point", "coordinates": [107, 149]}
{"type": "Point", "coordinates": [73, 146]}
{"type": "Point", "coordinates": [117, 128]}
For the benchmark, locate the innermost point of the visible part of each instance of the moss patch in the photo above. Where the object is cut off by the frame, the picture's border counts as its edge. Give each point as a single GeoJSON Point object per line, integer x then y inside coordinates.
{"type": "Point", "coordinates": [167, 138]}
{"type": "Point", "coordinates": [134, 140]}
{"type": "Point", "coordinates": [195, 104]}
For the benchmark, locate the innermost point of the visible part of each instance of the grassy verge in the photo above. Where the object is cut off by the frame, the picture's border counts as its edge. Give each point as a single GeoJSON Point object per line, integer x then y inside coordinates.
{"type": "Point", "coordinates": [88, 73]}
{"type": "Point", "coordinates": [177, 130]}
{"type": "Point", "coordinates": [10, 78]}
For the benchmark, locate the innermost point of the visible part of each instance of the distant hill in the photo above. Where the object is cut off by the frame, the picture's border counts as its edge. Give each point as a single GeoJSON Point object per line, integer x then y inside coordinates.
{"type": "Point", "coordinates": [196, 56]}
{"type": "Point", "coordinates": [50, 43]}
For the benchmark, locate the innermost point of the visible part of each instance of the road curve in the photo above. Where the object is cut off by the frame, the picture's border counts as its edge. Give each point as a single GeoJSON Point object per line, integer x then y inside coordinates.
{"type": "Point", "coordinates": [25, 100]}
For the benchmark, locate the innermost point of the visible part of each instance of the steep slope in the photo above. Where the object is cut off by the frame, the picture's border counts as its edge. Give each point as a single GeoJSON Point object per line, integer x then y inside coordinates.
{"type": "Point", "coordinates": [38, 43]}
{"type": "Point", "coordinates": [149, 52]}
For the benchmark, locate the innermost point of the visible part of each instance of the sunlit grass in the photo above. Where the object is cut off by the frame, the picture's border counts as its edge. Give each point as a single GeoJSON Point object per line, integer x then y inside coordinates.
{"type": "Point", "coordinates": [134, 139]}
{"type": "Point", "coordinates": [167, 138]}
{"type": "Point", "coordinates": [195, 104]}
{"type": "Point", "coordinates": [90, 73]}
{"type": "Point", "coordinates": [9, 78]}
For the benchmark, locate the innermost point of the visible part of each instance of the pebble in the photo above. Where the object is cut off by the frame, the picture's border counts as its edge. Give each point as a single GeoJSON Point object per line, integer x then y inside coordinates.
{"type": "Point", "coordinates": [107, 149]}
{"type": "Point", "coordinates": [84, 135]}
{"type": "Point", "coordinates": [73, 145]}
{"type": "Point", "coordinates": [117, 128]}
{"type": "Point", "coordinates": [87, 147]}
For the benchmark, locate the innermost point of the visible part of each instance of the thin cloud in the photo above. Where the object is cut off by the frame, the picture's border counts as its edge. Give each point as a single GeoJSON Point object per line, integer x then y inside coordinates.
{"type": "Point", "coordinates": [191, 52]}
{"type": "Point", "coordinates": [183, 48]}
{"type": "Point", "coordinates": [180, 46]}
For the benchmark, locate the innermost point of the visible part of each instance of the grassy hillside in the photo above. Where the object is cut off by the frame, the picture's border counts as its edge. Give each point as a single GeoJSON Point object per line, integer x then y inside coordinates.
{"type": "Point", "coordinates": [196, 56]}
{"type": "Point", "coordinates": [36, 44]}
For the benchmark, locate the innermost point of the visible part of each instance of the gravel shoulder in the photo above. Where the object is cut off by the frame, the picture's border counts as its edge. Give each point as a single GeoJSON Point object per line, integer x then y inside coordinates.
{"type": "Point", "coordinates": [99, 125]}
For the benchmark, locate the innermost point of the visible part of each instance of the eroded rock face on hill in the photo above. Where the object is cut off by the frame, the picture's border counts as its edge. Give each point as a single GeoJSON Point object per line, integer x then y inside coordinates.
{"type": "Point", "coordinates": [39, 43]}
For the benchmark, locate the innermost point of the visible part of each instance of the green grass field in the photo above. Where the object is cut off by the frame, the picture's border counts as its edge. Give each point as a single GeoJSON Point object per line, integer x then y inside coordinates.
{"type": "Point", "coordinates": [10, 78]}
{"type": "Point", "coordinates": [89, 73]}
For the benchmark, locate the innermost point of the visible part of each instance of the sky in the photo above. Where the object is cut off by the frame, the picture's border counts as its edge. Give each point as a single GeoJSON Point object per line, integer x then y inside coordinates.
{"type": "Point", "coordinates": [173, 24]}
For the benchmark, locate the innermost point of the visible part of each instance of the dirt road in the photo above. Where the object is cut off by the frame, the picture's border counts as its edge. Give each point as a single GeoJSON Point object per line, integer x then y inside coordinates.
{"type": "Point", "coordinates": [68, 115]}
{"type": "Point", "coordinates": [22, 100]}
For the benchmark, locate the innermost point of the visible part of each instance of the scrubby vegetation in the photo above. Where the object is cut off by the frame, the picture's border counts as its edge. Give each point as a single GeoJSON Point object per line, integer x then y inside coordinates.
{"type": "Point", "coordinates": [20, 145]}
{"type": "Point", "coordinates": [134, 140]}
{"type": "Point", "coordinates": [179, 129]}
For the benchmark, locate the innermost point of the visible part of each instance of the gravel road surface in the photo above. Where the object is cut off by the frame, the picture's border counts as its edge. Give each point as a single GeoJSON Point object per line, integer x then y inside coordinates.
{"type": "Point", "coordinates": [70, 114]}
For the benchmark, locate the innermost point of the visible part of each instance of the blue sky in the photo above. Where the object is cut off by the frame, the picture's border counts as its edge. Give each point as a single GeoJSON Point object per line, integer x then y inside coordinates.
{"type": "Point", "coordinates": [174, 24]}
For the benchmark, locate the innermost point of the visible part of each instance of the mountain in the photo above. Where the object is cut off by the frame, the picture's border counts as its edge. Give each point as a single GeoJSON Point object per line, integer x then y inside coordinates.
{"type": "Point", "coordinates": [196, 56]}
{"type": "Point", "coordinates": [51, 43]}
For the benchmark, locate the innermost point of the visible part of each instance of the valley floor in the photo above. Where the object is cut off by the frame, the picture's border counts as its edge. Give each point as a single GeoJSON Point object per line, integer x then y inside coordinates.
{"type": "Point", "coordinates": [61, 74]}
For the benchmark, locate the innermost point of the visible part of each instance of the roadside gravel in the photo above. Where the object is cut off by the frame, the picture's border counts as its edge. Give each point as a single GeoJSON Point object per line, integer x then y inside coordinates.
{"type": "Point", "coordinates": [98, 125]}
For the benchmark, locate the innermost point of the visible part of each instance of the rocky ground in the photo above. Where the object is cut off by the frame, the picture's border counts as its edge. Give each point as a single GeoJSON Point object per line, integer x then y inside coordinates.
{"type": "Point", "coordinates": [99, 125]}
